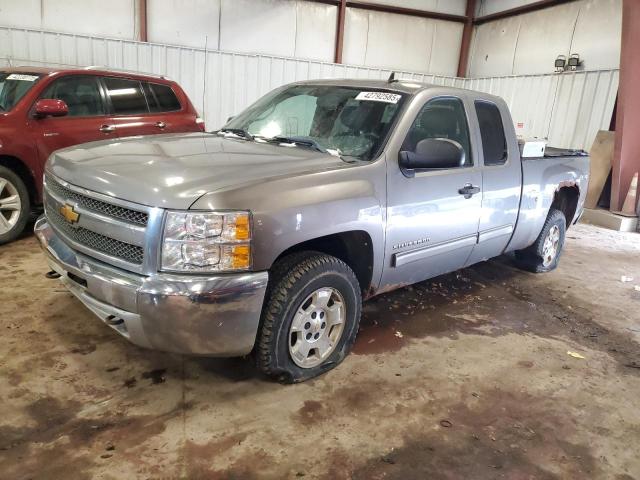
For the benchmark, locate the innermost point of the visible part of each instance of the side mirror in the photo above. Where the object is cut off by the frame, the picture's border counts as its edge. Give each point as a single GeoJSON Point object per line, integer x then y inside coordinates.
{"type": "Point", "coordinates": [230, 118]}
{"type": "Point", "coordinates": [48, 107]}
{"type": "Point", "coordinates": [433, 153]}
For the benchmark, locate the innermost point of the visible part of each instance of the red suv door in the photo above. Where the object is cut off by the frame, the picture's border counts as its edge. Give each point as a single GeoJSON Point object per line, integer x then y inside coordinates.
{"type": "Point", "coordinates": [86, 121]}
{"type": "Point", "coordinates": [143, 108]}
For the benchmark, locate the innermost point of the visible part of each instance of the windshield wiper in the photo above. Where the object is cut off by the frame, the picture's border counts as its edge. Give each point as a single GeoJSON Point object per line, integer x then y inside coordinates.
{"type": "Point", "coordinates": [239, 132]}
{"type": "Point", "coordinates": [304, 141]}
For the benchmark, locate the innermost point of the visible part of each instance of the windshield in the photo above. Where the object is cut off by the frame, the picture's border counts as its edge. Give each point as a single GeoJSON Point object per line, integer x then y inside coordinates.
{"type": "Point", "coordinates": [341, 120]}
{"type": "Point", "coordinates": [13, 86]}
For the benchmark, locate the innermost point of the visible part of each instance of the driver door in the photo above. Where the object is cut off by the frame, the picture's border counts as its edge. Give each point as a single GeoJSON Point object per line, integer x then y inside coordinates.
{"type": "Point", "coordinates": [431, 226]}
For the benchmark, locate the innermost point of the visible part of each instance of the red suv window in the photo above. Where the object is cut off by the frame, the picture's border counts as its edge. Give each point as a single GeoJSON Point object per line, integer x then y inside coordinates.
{"type": "Point", "coordinates": [80, 93]}
{"type": "Point", "coordinates": [126, 96]}
{"type": "Point", "coordinates": [161, 98]}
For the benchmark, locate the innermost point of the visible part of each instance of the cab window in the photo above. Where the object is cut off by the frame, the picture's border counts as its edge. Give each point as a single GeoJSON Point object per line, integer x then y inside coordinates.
{"type": "Point", "coordinates": [494, 142]}
{"type": "Point", "coordinates": [441, 118]}
{"type": "Point", "coordinates": [80, 93]}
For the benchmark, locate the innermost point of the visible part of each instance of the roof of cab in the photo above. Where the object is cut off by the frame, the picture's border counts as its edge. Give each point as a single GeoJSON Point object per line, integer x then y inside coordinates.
{"type": "Point", "coordinates": [397, 85]}
{"type": "Point", "coordinates": [409, 87]}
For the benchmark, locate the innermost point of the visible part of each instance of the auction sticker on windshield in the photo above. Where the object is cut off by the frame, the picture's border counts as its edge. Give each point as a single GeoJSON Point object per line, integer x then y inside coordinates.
{"type": "Point", "coordinates": [26, 78]}
{"type": "Point", "coordinates": [379, 97]}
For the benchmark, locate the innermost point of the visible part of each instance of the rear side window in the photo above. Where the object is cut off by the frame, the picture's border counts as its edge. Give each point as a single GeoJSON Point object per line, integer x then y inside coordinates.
{"type": "Point", "coordinates": [126, 96]}
{"type": "Point", "coordinates": [80, 93]}
{"type": "Point", "coordinates": [161, 98]}
{"type": "Point", "coordinates": [494, 143]}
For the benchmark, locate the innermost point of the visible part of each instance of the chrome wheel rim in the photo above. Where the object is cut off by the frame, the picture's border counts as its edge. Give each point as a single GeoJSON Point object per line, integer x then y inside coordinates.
{"type": "Point", "coordinates": [317, 327]}
{"type": "Point", "coordinates": [10, 205]}
{"type": "Point", "coordinates": [550, 246]}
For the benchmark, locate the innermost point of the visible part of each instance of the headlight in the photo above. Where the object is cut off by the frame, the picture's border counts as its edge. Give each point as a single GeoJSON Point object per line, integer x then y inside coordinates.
{"type": "Point", "coordinates": [206, 241]}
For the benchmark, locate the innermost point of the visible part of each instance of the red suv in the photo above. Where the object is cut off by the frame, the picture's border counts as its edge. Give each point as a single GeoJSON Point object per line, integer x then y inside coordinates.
{"type": "Point", "coordinates": [45, 109]}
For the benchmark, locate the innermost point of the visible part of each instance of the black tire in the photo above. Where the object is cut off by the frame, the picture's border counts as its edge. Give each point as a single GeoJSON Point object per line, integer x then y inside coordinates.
{"type": "Point", "coordinates": [293, 279]}
{"type": "Point", "coordinates": [9, 178]}
{"type": "Point", "coordinates": [533, 258]}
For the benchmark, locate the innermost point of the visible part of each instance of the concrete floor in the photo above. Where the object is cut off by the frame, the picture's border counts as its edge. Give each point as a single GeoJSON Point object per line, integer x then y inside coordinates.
{"type": "Point", "coordinates": [466, 376]}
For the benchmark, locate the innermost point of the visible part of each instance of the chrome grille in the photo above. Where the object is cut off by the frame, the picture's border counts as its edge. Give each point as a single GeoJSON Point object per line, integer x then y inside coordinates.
{"type": "Point", "coordinates": [95, 241]}
{"type": "Point", "coordinates": [114, 211]}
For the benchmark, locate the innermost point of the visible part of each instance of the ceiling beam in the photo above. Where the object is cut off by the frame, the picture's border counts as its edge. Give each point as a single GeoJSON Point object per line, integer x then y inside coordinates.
{"type": "Point", "coordinates": [531, 7]}
{"type": "Point", "coordinates": [405, 11]}
{"type": "Point", "coordinates": [393, 9]}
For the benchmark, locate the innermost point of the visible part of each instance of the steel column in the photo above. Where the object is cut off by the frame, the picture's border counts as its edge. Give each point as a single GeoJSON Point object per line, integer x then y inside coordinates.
{"type": "Point", "coordinates": [142, 12]}
{"type": "Point", "coordinates": [626, 154]}
{"type": "Point", "coordinates": [467, 32]}
{"type": "Point", "coordinates": [342, 10]}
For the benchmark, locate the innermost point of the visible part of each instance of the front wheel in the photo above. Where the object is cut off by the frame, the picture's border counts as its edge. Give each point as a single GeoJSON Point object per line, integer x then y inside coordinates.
{"type": "Point", "coordinates": [544, 254]}
{"type": "Point", "coordinates": [311, 317]}
{"type": "Point", "coordinates": [15, 207]}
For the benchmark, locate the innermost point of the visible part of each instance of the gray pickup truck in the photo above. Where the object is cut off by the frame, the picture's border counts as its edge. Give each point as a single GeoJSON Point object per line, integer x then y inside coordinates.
{"type": "Point", "coordinates": [266, 235]}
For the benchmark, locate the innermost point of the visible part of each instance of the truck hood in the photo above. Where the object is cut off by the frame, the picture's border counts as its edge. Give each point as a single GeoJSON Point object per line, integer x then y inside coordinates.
{"type": "Point", "coordinates": [174, 170]}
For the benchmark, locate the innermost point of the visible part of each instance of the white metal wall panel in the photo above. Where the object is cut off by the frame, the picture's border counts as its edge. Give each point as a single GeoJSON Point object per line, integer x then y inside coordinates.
{"type": "Point", "coordinates": [493, 48]}
{"type": "Point", "coordinates": [115, 18]}
{"type": "Point", "coordinates": [543, 36]}
{"type": "Point", "coordinates": [263, 26]}
{"type": "Point", "coordinates": [401, 41]}
{"type": "Point", "coordinates": [529, 43]}
{"type": "Point", "coordinates": [568, 108]}
{"type": "Point", "coordinates": [356, 29]}
{"type": "Point", "coordinates": [193, 23]}
{"type": "Point", "coordinates": [24, 14]}
{"type": "Point", "coordinates": [445, 51]}
{"type": "Point", "coordinates": [315, 31]}
{"type": "Point", "coordinates": [598, 34]}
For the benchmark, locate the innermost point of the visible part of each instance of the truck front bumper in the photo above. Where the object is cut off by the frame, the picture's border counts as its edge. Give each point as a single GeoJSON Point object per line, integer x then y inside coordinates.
{"type": "Point", "coordinates": [212, 315]}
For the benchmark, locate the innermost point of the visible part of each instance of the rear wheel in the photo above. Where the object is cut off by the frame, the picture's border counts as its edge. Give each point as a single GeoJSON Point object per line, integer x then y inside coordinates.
{"type": "Point", "coordinates": [15, 206]}
{"type": "Point", "coordinates": [544, 254]}
{"type": "Point", "coordinates": [311, 317]}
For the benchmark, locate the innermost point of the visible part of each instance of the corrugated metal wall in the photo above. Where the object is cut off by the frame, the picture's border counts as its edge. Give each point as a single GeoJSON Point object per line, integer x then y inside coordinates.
{"type": "Point", "coordinates": [568, 108]}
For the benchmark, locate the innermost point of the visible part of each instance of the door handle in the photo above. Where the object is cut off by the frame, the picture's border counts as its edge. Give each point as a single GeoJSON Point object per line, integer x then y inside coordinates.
{"type": "Point", "coordinates": [161, 124]}
{"type": "Point", "coordinates": [468, 190]}
{"type": "Point", "coordinates": [107, 128]}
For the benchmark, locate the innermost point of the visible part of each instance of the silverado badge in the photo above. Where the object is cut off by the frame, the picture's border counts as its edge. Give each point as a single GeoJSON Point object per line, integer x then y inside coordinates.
{"type": "Point", "coordinates": [69, 213]}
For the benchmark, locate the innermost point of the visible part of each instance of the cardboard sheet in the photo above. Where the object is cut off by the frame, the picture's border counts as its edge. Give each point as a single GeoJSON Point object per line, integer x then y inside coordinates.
{"type": "Point", "coordinates": [601, 156]}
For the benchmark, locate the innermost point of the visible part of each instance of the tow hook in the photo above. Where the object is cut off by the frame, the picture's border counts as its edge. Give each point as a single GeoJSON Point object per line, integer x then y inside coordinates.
{"type": "Point", "coordinates": [52, 274]}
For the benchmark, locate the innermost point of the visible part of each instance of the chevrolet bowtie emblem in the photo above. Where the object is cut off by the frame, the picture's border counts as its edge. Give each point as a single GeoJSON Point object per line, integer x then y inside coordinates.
{"type": "Point", "coordinates": [69, 214]}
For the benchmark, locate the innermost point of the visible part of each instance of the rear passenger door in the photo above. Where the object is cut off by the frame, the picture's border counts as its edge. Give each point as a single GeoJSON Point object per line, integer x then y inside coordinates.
{"type": "Point", "coordinates": [130, 111]}
{"type": "Point", "coordinates": [501, 180]}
